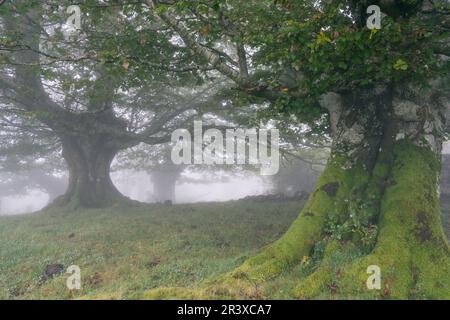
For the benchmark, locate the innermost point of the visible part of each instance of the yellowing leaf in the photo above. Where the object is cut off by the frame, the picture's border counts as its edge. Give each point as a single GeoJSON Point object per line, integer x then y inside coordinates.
{"type": "Point", "coordinates": [205, 30]}
{"type": "Point", "coordinates": [306, 260]}
{"type": "Point", "coordinates": [322, 38]}
{"type": "Point", "coordinates": [373, 32]}
{"type": "Point", "coordinates": [400, 65]}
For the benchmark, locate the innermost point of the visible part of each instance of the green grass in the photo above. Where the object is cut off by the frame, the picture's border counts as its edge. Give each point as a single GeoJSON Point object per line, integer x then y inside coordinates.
{"type": "Point", "coordinates": [124, 252]}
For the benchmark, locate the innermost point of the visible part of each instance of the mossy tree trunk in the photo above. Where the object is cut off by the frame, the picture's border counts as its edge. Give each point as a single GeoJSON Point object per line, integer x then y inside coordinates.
{"type": "Point", "coordinates": [376, 203]}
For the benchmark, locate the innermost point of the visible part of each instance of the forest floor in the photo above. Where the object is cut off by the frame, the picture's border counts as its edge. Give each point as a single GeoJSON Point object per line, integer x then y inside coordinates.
{"type": "Point", "coordinates": [124, 252]}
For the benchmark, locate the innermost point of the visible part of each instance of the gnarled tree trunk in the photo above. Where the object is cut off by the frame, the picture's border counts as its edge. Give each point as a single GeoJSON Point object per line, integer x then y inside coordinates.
{"type": "Point", "coordinates": [89, 162]}
{"type": "Point", "coordinates": [376, 203]}
{"type": "Point", "coordinates": [377, 198]}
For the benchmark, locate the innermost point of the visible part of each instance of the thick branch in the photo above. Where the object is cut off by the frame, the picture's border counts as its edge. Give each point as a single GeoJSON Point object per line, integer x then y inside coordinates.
{"type": "Point", "coordinates": [210, 56]}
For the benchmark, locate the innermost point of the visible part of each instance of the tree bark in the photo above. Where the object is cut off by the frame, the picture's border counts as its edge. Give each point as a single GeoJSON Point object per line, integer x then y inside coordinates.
{"type": "Point", "coordinates": [89, 161]}
{"type": "Point", "coordinates": [377, 198]}
{"type": "Point", "coordinates": [445, 193]}
{"type": "Point", "coordinates": [164, 183]}
{"type": "Point", "coordinates": [376, 203]}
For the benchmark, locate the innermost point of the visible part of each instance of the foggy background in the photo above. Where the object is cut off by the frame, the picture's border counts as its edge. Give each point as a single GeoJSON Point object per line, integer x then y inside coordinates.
{"type": "Point", "coordinates": [200, 185]}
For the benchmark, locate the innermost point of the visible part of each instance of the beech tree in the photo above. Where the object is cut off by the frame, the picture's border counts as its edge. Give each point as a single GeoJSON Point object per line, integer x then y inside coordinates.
{"type": "Point", "coordinates": [87, 91]}
{"type": "Point", "coordinates": [29, 156]}
{"type": "Point", "coordinates": [383, 97]}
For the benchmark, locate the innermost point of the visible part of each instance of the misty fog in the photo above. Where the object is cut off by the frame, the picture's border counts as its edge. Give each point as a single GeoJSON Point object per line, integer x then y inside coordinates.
{"type": "Point", "coordinates": [138, 185]}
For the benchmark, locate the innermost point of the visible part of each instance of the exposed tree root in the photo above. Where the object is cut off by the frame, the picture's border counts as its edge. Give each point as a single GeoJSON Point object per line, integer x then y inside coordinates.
{"type": "Point", "coordinates": [329, 197]}
{"type": "Point", "coordinates": [412, 252]}
{"type": "Point", "coordinates": [72, 203]}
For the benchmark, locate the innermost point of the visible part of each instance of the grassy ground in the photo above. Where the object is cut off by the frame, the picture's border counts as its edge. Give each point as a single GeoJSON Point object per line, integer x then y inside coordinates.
{"type": "Point", "coordinates": [123, 253]}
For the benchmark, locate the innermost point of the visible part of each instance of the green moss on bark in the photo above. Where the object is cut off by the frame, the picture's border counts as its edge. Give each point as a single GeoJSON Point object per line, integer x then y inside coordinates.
{"type": "Point", "coordinates": [330, 197]}
{"type": "Point", "coordinates": [411, 251]}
